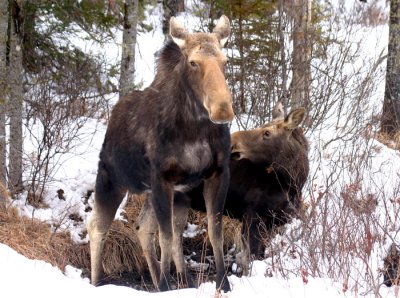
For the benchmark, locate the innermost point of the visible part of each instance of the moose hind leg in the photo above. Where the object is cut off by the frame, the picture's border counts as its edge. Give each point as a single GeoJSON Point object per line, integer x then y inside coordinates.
{"type": "Point", "coordinates": [107, 200]}
{"type": "Point", "coordinates": [146, 228]}
{"type": "Point", "coordinates": [180, 213]}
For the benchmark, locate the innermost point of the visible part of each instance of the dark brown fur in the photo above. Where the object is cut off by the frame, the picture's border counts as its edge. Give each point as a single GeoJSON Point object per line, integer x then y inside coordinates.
{"type": "Point", "coordinates": [269, 168]}
{"type": "Point", "coordinates": [166, 138]}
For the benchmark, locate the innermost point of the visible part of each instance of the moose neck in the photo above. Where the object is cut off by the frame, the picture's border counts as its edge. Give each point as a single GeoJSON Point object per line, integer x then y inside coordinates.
{"type": "Point", "coordinates": [179, 105]}
{"type": "Point", "coordinates": [185, 111]}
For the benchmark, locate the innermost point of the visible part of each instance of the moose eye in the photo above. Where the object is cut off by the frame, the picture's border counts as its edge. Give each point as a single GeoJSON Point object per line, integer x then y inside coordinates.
{"type": "Point", "coordinates": [193, 64]}
{"type": "Point", "coordinates": [267, 133]}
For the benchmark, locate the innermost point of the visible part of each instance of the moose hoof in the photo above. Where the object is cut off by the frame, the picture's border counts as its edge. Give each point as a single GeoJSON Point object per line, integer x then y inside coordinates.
{"type": "Point", "coordinates": [225, 287]}
{"type": "Point", "coordinates": [164, 285]}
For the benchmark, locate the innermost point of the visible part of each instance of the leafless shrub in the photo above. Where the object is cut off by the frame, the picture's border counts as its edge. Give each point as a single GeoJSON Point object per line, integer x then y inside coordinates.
{"type": "Point", "coordinates": [371, 13]}
{"type": "Point", "coordinates": [56, 113]}
{"type": "Point", "coordinates": [352, 214]}
{"type": "Point", "coordinates": [352, 196]}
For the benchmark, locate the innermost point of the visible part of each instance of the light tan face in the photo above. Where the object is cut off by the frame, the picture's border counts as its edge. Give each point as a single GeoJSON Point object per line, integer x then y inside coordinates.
{"type": "Point", "coordinates": [205, 64]}
{"type": "Point", "coordinates": [252, 144]}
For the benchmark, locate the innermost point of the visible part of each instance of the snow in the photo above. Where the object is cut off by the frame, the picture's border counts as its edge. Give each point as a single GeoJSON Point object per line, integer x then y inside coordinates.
{"type": "Point", "coordinates": [22, 277]}
{"type": "Point", "coordinates": [76, 174]}
{"type": "Point", "coordinates": [192, 231]}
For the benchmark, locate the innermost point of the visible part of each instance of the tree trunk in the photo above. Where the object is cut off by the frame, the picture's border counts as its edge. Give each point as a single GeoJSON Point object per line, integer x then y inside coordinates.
{"type": "Point", "coordinates": [171, 8]}
{"type": "Point", "coordinates": [301, 63]}
{"type": "Point", "coordinates": [284, 96]}
{"type": "Point", "coordinates": [242, 70]}
{"type": "Point", "coordinates": [390, 121]}
{"type": "Point", "coordinates": [129, 34]}
{"type": "Point", "coordinates": [15, 103]}
{"type": "Point", "coordinates": [3, 99]}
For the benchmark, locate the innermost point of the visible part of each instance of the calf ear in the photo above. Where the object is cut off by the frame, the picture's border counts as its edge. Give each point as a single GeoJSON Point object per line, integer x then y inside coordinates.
{"type": "Point", "coordinates": [223, 29]}
{"type": "Point", "coordinates": [295, 117]}
{"type": "Point", "coordinates": [177, 32]}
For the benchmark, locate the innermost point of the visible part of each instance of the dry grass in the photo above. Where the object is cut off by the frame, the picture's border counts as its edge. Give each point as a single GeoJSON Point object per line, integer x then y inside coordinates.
{"type": "Point", "coordinates": [391, 142]}
{"type": "Point", "coordinates": [122, 251]}
{"type": "Point", "coordinates": [33, 238]}
{"type": "Point", "coordinates": [231, 227]}
{"type": "Point", "coordinates": [123, 255]}
{"type": "Point", "coordinates": [231, 230]}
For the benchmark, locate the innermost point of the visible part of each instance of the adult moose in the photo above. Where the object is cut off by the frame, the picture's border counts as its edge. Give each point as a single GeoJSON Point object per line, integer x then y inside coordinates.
{"type": "Point", "coordinates": [171, 136]}
{"type": "Point", "coordinates": [269, 167]}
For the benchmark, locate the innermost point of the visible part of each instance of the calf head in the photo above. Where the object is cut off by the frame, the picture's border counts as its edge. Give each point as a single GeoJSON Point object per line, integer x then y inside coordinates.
{"type": "Point", "coordinates": [204, 67]}
{"type": "Point", "coordinates": [265, 143]}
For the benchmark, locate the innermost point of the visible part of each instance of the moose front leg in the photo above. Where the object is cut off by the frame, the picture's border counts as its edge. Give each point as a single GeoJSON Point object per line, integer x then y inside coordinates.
{"type": "Point", "coordinates": [215, 190]}
{"type": "Point", "coordinates": [181, 210]}
{"type": "Point", "coordinates": [251, 232]}
{"type": "Point", "coordinates": [251, 238]}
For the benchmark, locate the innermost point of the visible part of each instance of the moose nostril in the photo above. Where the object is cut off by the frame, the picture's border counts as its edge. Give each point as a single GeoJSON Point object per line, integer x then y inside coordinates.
{"type": "Point", "coordinates": [221, 112]}
{"type": "Point", "coordinates": [235, 153]}
{"type": "Point", "coordinates": [224, 106]}
{"type": "Point", "coordinates": [234, 147]}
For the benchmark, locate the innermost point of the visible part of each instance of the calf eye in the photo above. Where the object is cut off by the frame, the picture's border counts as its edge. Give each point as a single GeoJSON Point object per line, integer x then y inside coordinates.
{"type": "Point", "coordinates": [267, 134]}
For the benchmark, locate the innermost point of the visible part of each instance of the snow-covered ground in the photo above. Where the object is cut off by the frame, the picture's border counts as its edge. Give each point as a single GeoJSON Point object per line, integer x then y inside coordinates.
{"type": "Point", "coordinates": [21, 277]}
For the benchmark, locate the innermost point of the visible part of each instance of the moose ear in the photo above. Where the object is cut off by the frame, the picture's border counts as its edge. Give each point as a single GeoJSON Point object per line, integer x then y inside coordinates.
{"type": "Point", "coordinates": [177, 32]}
{"type": "Point", "coordinates": [295, 117]}
{"type": "Point", "coordinates": [223, 29]}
